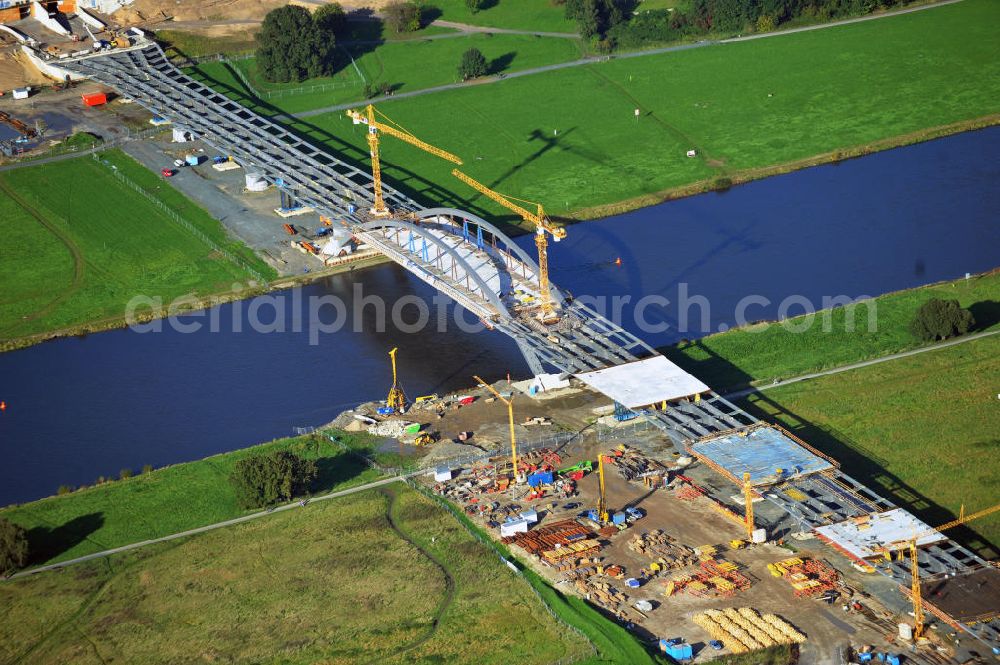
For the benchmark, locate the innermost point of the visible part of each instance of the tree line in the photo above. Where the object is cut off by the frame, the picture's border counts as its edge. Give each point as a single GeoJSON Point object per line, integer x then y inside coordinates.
{"type": "Point", "coordinates": [611, 23]}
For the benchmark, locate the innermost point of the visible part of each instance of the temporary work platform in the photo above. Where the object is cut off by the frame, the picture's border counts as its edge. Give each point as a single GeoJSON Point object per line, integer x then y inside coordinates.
{"type": "Point", "coordinates": [644, 382]}
{"type": "Point", "coordinates": [869, 536]}
{"type": "Point", "coordinates": [761, 452]}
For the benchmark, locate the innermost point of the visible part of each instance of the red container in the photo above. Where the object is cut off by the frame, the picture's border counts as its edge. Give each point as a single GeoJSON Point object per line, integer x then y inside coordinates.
{"type": "Point", "coordinates": [465, 401]}
{"type": "Point", "coordinates": [95, 99]}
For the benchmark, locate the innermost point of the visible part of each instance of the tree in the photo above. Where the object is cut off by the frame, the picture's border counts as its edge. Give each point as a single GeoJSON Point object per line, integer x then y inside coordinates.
{"type": "Point", "coordinates": [13, 546]}
{"type": "Point", "coordinates": [292, 47]}
{"type": "Point", "coordinates": [473, 64]}
{"type": "Point", "coordinates": [940, 319]}
{"type": "Point", "coordinates": [264, 480]}
{"type": "Point", "coordinates": [330, 18]}
{"type": "Point", "coordinates": [402, 16]}
{"type": "Point", "coordinates": [474, 5]}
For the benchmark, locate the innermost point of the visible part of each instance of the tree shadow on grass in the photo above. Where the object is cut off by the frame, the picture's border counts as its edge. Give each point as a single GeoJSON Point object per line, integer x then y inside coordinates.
{"type": "Point", "coordinates": [45, 543]}
{"type": "Point", "coordinates": [986, 313]}
{"type": "Point", "coordinates": [501, 63]}
{"type": "Point", "coordinates": [336, 470]}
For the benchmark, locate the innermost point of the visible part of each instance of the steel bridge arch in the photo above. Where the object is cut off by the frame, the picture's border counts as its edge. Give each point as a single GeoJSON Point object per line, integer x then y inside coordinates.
{"type": "Point", "coordinates": [508, 245]}
{"type": "Point", "coordinates": [484, 287]}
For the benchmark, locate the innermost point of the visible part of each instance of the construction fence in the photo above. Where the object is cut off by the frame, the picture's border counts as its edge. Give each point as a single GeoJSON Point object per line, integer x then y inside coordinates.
{"type": "Point", "coordinates": [169, 212]}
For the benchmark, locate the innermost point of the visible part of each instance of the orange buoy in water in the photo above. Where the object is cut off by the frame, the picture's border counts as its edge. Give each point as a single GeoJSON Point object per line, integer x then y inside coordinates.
{"type": "Point", "coordinates": [3, 406]}
{"type": "Point", "coordinates": [618, 261]}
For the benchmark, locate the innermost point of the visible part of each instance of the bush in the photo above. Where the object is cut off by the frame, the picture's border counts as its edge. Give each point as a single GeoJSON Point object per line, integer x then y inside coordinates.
{"type": "Point", "coordinates": [402, 16]}
{"type": "Point", "coordinates": [13, 546]}
{"type": "Point", "coordinates": [147, 468]}
{"type": "Point", "coordinates": [940, 319]}
{"type": "Point", "coordinates": [292, 47]}
{"type": "Point", "coordinates": [125, 473]}
{"type": "Point", "coordinates": [64, 489]}
{"type": "Point", "coordinates": [474, 5]}
{"type": "Point", "coordinates": [473, 64]}
{"type": "Point", "coordinates": [264, 480]}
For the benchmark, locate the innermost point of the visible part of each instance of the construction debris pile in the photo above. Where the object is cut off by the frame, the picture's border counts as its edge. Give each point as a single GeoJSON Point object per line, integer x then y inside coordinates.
{"type": "Point", "coordinates": [663, 550]}
{"type": "Point", "coordinates": [808, 577]}
{"type": "Point", "coordinates": [632, 465]}
{"type": "Point", "coordinates": [745, 629]}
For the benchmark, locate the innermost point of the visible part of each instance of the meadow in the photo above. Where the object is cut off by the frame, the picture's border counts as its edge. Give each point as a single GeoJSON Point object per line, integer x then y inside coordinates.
{"type": "Point", "coordinates": [168, 500]}
{"type": "Point", "coordinates": [512, 15]}
{"type": "Point", "coordinates": [920, 430]}
{"type": "Point", "coordinates": [571, 140]}
{"type": "Point", "coordinates": [403, 65]}
{"type": "Point", "coordinates": [385, 576]}
{"type": "Point", "coordinates": [79, 244]}
{"type": "Point", "coordinates": [763, 352]}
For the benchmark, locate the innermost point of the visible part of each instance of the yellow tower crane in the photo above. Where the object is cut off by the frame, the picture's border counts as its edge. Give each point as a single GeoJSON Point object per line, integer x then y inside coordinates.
{"type": "Point", "coordinates": [397, 398]}
{"type": "Point", "coordinates": [510, 421]}
{"type": "Point", "coordinates": [911, 546]}
{"type": "Point", "coordinates": [543, 225]}
{"type": "Point", "coordinates": [375, 128]}
{"type": "Point", "coordinates": [748, 514]}
{"type": "Point", "coordinates": [602, 504]}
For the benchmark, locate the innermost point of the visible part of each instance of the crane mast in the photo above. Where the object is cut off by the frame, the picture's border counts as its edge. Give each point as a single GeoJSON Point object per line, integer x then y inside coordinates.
{"type": "Point", "coordinates": [542, 225]}
{"type": "Point", "coordinates": [375, 128]}
{"type": "Point", "coordinates": [748, 497]}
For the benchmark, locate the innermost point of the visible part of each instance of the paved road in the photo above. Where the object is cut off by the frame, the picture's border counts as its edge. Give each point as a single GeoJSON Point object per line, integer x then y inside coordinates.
{"type": "Point", "coordinates": [635, 54]}
{"type": "Point", "coordinates": [210, 527]}
{"type": "Point", "coordinates": [864, 363]}
{"type": "Point", "coordinates": [467, 28]}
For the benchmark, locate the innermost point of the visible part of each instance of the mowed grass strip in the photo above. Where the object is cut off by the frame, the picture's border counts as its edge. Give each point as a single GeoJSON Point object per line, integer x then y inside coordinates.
{"type": "Point", "coordinates": [800, 345]}
{"type": "Point", "coordinates": [570, 139]}
{"type": "Point", "coordinates": [921, 430]}
{"type": "Point", "coordinates": [404, 65]}
{"type": "Point", "coordinates": [79, 244]}
{"type": "Point", "coordinates": [168, 500]}
{"type": "Point", "coordinates": [331, 583]}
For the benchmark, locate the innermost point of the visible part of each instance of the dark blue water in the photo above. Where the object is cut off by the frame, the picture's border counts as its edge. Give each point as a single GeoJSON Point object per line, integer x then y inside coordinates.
{"type": "Point", "coordinates": [80, 408]}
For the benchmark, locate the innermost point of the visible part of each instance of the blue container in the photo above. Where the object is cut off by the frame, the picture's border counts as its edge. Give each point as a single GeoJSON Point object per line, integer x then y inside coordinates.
{"type": "Point", "coordinates": [680, 652]}
{"type": "Point", "coordinates": [540, 478]}
{"type": "Point", "coordinates": [865, 657]}
{"type": "Point", "coordinates": [892, 659]}
{"type": "Point", "coordinates": [618, 518]}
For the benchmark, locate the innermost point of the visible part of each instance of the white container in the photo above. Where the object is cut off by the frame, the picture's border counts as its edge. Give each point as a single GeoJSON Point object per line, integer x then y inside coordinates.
{"type": "Point", "coordinates": [759, 536]}
{"type": "Point", "coordinates": [512, 527]}
{"type": "Point", "coordinates": [906, 632]}
{"type": "Point", "coordinates": [442, 473]}
{"type": "Point", "coordinates": [256, 182]}
{"type": "Point", "coordinates": [21, 93]}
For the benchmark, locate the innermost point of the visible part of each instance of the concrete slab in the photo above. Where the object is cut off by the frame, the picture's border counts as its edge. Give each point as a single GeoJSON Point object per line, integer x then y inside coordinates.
{"type": "Point", "coordinates": [868, 536]}
{"type": "Point", "coordinates": [760, 452]}
{"type": "Point", "coordinates": [644, 382]}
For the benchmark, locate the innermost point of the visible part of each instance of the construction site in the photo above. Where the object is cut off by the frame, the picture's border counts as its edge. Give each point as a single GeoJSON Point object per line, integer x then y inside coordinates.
{"type": "Point", "coordinates": [732, 543]}
{"type": "Point", "coordinates": [612, 472]}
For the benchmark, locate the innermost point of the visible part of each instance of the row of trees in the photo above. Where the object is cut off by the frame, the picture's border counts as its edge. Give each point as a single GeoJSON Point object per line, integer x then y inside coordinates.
{"type": "Point", "coordinates": [616, 22]}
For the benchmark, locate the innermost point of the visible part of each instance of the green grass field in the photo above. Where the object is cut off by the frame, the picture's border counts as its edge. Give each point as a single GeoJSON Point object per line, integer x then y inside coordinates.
{"type": "Point", "coordinates": [767, 351]}
{"type": "Point", "coordinates": [570, 140]}
{"type": "Point", "coordinates": [406, 66]}
{"type": "Point", "coordinates": [380, 576]}
{"type": "Point", "coordinates": [540, 15]}
{"type": "Point", "coordinates": [78, 245]}
{"type": "Point", "coordinates": [921, 430]}
{"type": "Point", "coordinates": [168, 500]}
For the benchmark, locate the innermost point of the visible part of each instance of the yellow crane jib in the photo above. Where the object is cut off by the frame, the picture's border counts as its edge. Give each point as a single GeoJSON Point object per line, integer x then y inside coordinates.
{"type": "Point", "coordinates": [543, 225]}
{"type": "Point", "coordinates": [396, 401]}
{"type": "Point", "coordinates": [510, 421]}
{"type": "Point", "coordinates": [911, 546]}
{"type": "Point", "coordinates": [748, 498]}
{"type": "Point", "coordinates": [374, 129]}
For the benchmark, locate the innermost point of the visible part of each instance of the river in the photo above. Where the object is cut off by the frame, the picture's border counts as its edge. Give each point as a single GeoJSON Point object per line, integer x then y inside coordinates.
{"type": "Point", "coordinates": [83, 407]}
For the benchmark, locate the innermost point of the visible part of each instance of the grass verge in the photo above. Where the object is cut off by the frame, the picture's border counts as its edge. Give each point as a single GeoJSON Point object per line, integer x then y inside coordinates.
{"type": "Point", "coordinates": [332, 583]}
{"type": "Point", "coordinates": [920, 430]}
{"type": "Point", "coordinates": [512, 15]}
{"type": "Point", "coordinates": [764, 352]}
{"type": "Point", "coordinates": [80, 256]}
{"type": "Point", "coordinates": [168, 500]}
